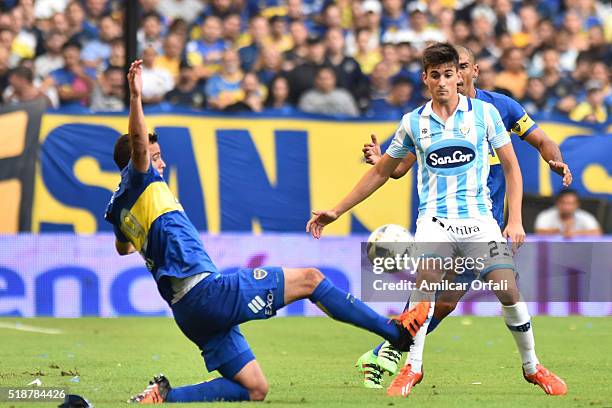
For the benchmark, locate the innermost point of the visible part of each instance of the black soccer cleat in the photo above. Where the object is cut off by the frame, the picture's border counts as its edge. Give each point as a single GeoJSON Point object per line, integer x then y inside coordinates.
{"type": "Point", "coordinates": [405, 341]}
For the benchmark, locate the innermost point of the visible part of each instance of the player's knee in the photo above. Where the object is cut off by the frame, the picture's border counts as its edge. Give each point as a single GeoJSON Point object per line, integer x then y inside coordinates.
{"type": "Point", "coordinates": [312, 278]}
{"type": "Point", "coordinates": [259, 391]}
{"type": "Point", "coordinates": [509, 297]}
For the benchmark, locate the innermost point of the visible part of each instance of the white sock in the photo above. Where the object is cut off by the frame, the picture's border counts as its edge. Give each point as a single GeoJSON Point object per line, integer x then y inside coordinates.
{"type": "Point", "coordinates": [415, 359]}
{"type": "Point", "coordinates": [519, 322]}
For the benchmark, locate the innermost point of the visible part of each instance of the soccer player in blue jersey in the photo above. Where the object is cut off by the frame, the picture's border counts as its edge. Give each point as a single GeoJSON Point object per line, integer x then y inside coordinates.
{"type": "Point", "coordinates": [516, 120]}
{"type": "Point", "coordinates": [451, 137]}
{"type": "Point", "coordinates": [208, 306]}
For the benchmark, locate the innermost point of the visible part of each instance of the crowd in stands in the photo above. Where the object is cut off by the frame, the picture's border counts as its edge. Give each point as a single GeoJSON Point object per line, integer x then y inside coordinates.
{"type": "Point", "coordinates": [344, 57]}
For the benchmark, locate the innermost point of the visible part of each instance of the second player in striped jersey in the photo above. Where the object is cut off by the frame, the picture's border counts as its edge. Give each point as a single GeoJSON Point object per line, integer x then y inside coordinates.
{"type": "Point", "coordinates": [450, 137]}
{"type": "Point", "coordinates": [517, 121]}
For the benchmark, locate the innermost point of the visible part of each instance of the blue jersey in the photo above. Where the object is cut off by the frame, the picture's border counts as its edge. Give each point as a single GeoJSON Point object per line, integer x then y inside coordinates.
{"type": "Point", "coordinates": [515, 120]}
{"type": "Point", "coordinates": [208, 54]}
{"type": "Point", "coordinates": [144, 211]}
{"type": "Point", "coordinates": [453, 156]}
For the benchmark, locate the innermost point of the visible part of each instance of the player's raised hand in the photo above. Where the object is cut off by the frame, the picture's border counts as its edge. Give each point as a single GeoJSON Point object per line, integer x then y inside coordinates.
{"type": "Point", "coordinates": [134, 77]}
{"type": "Point", "coordinates": [371, 151]}
{"type": "Point", "coordinates": [319, 220]}
{"type": "Point", "coordinates": [563, 170]}
{"type": "Point", "coordinates": [516, 233]}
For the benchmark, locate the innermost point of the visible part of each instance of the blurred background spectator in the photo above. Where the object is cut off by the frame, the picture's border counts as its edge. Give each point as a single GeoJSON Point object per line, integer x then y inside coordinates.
{"type": "Point", "coordinates": [252, 95]}
{"type": "Point", "coordinates": [109, 92]}
{"type": "Point", "coordinates": [188, 91]}
{"type": "Point", "coordinates": [303, 75]}
{"type": "Point", "coordinates": [205, 53]}
{"type": "Point", "coordinates": [74, 81]}
{"type": "Point", "coordinates": [542, 53]}
{"type": "Point", "coordinates": [278, 96]}
{"type": "Point", "coordinates": [156, 82]}
{"type": "Point", "coordinates": [98, 50]}
{"type": "Point", "coordinates": [567, 218]}
{"type": "Point", "coordinates": [536, 100]}
{"type": "Point", "coordinates": [592, 109]}
{"type": "Point", "coordinates": [326, 97]}
{"type": "Point", "coordinates": [223, 89]}
{"type": "Point", "coordinates": [51, 57]}
{"type": "Point", "coordinates": [23, 87]}
{"type": "Point", "coordinates": [399, 101]}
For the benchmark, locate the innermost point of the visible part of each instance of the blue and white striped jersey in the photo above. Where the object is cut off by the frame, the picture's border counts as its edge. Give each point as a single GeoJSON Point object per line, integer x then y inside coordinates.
{"type": "Point", "coordinates": [453, 157]}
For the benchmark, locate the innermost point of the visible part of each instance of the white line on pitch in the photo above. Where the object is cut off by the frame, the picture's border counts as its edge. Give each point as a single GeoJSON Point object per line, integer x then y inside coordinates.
{"type": "Point", "coordinates": [27, 328]}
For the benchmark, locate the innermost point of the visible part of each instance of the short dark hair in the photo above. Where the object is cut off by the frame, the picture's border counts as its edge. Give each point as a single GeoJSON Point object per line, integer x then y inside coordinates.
{"type": "Point", "coordinates": [123, 152]}
{"type": "Point", "coordinates": [184, 64]}
{"type": "Point", "coordinates": [23, 72]}
{"type": "Point", "coordinates": [439, 54]}
{"type": "Point", "coordinates": [566, 191]}
{"type": "Point", "coordinates": [152, 14]}
{"type": "Point", "coordinates": [584, 56]}
{"type": "Point", "coordinates": [314, 39]}
{"type": "Point", "coordinates": [113, 68]}
{"type": "Point", "coordinates": [176, 23]}
{"type": "Point", "coordinates": [361, 30]}
{"type": "Point", "coordinates": [548, 48]}
{"type": "Point", "coordinates": [106, 15]}
{"type": "Point", "coordinates": [275, 18]}
{"type": "Point", "coordinates": [116, 41]}
{"type": "Point", "coordinates": [325, 67]}
{"type": "Point", "coordinates": [72, 44]}
{"type": "Point", "coordinates": [401, 80]}
{"type": "Point", "coordinates": [466, 50]}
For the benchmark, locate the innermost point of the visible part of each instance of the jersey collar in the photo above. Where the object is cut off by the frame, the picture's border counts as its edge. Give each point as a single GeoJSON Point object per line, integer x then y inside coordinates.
{"type": "Point", "coordinates": [464, 105]}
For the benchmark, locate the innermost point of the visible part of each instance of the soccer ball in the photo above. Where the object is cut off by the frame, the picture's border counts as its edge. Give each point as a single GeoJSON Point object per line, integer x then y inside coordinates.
{"type": "Point", "coordinates": [388, 241]}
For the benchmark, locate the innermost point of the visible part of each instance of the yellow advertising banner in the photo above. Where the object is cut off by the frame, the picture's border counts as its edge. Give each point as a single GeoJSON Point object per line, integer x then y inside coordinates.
{"type": "Point", "coordinates": [252, 174]}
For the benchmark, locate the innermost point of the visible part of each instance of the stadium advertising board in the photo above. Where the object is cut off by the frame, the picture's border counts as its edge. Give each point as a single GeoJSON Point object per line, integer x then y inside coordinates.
{"type": "Point", "coordinates": [18, 148]}
{"type": "Point", "coordinates": [68, 275]}
{"type": "Point", "coordinates": [262, 174]}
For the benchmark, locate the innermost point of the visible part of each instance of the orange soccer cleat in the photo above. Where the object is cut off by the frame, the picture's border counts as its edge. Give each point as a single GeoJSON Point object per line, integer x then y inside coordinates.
{"type": "Point", "coordinates": [155, 393]}
{"type": "Point", "coordinates": [548, 381]}
{"type": "Point", "coordinates": [403, 383]}
{"type": "Point", "coordinates": [414, 318]}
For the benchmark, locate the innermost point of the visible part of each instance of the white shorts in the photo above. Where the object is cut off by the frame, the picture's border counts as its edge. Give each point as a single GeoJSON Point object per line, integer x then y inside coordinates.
{"type": "Point", "coordinates": [478, 239]}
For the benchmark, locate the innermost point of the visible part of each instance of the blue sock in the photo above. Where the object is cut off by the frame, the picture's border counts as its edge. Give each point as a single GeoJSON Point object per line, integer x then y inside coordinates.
{"type": "Point", "coordinates": [219, 389]}
{"type": "Point", "coordinates": [433, 323]}
{"type": "Point", "coordinates": [345, 307]}
{"type": "Point", "coordinates": [377, 348]}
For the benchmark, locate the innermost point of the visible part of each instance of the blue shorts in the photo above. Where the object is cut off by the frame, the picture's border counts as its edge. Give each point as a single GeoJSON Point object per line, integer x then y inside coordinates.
{"type": "Point", "coordinates": [209, 314]}
{"type": "Point", "coordinates": [497, 190]}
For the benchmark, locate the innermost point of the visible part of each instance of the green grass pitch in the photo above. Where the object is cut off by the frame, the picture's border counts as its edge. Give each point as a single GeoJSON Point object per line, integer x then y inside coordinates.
{"type": "Point", "coordinates": [469, 362]}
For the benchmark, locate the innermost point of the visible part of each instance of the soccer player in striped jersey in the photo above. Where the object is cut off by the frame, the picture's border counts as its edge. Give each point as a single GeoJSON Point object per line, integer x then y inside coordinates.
{"type": "Point", "coordinates": [516, 120]}
{"type": "Point", "coordinates": [451, 136]}
{"type": "Point", "coordinates": [208, 306]}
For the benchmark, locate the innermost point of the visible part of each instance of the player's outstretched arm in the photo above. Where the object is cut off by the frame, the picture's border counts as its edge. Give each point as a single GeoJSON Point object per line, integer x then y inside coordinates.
{"type": "Point", "coordinates": [372, 154]}
{"type": "Point", "coordinates": [370, 182]}
{"type": "Point", "coordinates": [514, 182]}
{"type": "Point", "coordinates": [550, 152]}
{"type": "Point", "coordinates": [137, 128]}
